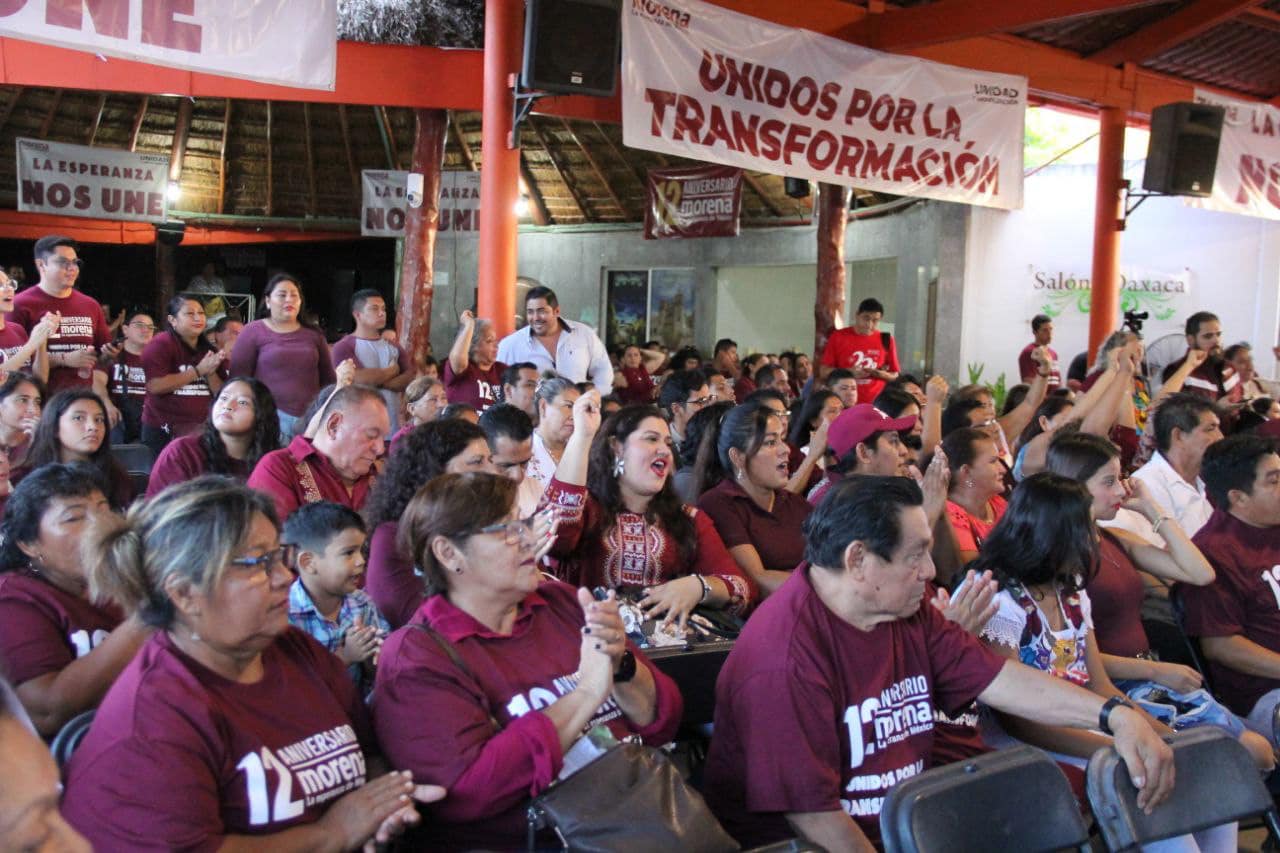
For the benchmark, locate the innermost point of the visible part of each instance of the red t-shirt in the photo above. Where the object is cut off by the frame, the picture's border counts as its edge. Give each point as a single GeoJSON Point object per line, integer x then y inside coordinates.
{"type": "Point", "coordinates": [13, 338]}
{"type": "Point", "coordinates": [1027, 367]}
{"type": "Point", "coordinates": [183, 459]}
{"type": "Point", "coordinates": [83, 325]}
{"type": "Point", "coordinates": [127, 383]}
{"type": "Point", "coordinates": [281, 475]}
{"type": "Point", "coordinates": [1244, 600]}
{"type": "Point", "coordinates": [43, 628]}
{"type": "Point", "coordinates": [848, 349]}
{"type": "Point", "coordinates": [639, 389]}
{"type": "Point", "coordinates": [739, 520]}
{"type": "Point", "coordinates": [179, 757]}
{"type": "Point", "coordinates": [473, 385]}
{"type": "Point", "coordinates": [969, 530]}
{"type": "Point", "coordinates": [1115, 593]}
{"type": "Point", "coordinates": [814, 715]}
{"type": "Point", "coordinates": [183, 410]}
{"type": "Point", "coordinates": [491, 775]}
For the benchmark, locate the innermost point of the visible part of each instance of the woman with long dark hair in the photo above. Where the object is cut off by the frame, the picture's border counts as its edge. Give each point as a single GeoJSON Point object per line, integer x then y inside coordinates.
{"type": "Point", "coordinates": [74, 428]}
{"type": "Point", "coordinates": [623, 525]}
{"type": "Point", "coordinates": [184, 374]}
{"type": "Point", "coordinates": [284, 353]}
{"type": "Point", "coordinates": [21, 398]}
{"type": "Point", "coordinates": [241, 428]}
{"type": "Point", "coordinates": [451, 446]}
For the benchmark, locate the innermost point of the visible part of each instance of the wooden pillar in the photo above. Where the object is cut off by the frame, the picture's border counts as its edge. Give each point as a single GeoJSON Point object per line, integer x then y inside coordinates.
{"type": "Point", "coordinates": [500, 176]}
{"type": "Point", "coordinates": [166, 273]}
{"type": "Point", "coordinates": [417, 284]}
{"type": "Point", "coordinates": [833, 216]}
{"type": "Point", "coordinates": [1104, 303]}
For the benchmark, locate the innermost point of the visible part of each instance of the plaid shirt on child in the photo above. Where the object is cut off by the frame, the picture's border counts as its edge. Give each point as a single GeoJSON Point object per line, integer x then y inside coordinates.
{"type": "Point", "coordinates": [357, 605]}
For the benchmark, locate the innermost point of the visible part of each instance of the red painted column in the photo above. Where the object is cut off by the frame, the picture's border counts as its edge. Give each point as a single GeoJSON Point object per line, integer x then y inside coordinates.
{"type": "Point", "coordinates": [833, 216]}
{"type": "Point", "coordinates": [417, 283]}
{"type": "Point", "coordinates": [500, 165]}
{"type": "Point", "coordinates": [1104, 306]}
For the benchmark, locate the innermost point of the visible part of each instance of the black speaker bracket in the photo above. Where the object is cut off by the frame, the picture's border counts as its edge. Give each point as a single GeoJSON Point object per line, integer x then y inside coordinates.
{"type": "Point", "coordinates": [523, 101]}
{"type": "Point", "coordinates": [1130, 204]}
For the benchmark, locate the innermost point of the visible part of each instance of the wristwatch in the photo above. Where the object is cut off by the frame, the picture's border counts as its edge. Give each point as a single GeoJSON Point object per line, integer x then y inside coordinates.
{"type": "Point", "coordinates": [626, 668]}
{"type": "Point", "coordinates": [1104, 716]}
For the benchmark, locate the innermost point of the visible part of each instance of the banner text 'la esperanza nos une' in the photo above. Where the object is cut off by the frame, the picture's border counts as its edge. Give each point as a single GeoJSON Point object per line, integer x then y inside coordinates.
{"type": "Point", "coordinates": [702, 82]}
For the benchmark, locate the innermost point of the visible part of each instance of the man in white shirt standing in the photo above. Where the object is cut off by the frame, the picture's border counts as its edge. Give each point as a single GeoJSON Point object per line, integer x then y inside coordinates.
{"type": "Point", "coordinates": [1185, 427]}
{"type": "Point", "coordinates": [555, 344]}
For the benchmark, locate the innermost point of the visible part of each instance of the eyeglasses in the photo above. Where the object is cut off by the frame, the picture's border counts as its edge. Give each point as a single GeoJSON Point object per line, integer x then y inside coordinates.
{"type": "Point", "coordinates": [62, 262]}
{"type": "Point", "coordinates": [139, 325]}
{"type": "Point", "coordinates": [285, 556]}
{"type": "Point", "coordinates": [700, 401]}
{"type": "Point", "coordinates": [513, 532]}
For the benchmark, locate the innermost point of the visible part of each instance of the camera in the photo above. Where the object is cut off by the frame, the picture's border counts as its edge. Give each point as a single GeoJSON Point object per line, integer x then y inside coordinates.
{"type": "Point", "coordinates": [1133, 320]}
{"type": "Point", "coordinates": [413, 190]}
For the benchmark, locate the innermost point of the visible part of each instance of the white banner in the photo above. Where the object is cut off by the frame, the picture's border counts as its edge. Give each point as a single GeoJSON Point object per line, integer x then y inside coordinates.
{"type": "Point", "coordinates": [290, 42]}
{"type": "Point", "coordinates": [703, 82]}
{"type": "Point", "coordinates": [1247, 179]}
{"type": "Point", "coordinates": [100, 183]}
{"type": "Point", "coordinates": [385, 200]}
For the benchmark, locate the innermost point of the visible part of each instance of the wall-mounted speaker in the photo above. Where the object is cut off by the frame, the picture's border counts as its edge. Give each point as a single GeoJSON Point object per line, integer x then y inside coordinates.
{"type": "Point", "coordinates": [796, 187]}
{"type": "Point", "coordinates": [1183, 152]}
{"type": "Point", "coordinates": [572, 46]}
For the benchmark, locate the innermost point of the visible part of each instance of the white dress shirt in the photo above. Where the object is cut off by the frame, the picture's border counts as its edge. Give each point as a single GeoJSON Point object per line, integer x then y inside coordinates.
{"type": "Point", "coordinates": [1174, 496]}
{"type": "Point", "coordinates": [580, 356]}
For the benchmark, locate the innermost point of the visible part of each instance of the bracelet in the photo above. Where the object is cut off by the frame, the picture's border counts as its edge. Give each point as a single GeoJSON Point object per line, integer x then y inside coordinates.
{"type": "Point", "coordinates": [1104, 716]}
{"type": "Point", "coordinates": [1155, 528]}
{"type": "Point", "coordinates": [706, 588]}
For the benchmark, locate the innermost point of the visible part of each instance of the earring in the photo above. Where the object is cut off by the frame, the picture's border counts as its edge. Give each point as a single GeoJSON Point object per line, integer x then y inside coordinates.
{"type": "Point", "coordinates": [969, 483]}
{"type": "Point", "coordinates": [458, 570]}
{"type": "Point", "coordinates": [195, 638]}
{"type": "Point", "coordinates": [739, 473]}
{"type": "Point", "coordinates": [618, 467]}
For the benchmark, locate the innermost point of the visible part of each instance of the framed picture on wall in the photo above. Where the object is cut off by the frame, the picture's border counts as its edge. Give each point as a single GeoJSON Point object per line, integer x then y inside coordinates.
{"type": "Point", "coordinates": [671, 306]}
{"type": "Point", "coordinates": [626, 308]}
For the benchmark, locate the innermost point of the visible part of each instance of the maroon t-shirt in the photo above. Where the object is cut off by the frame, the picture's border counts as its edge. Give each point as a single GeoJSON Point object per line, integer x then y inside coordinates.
{"type": "Point", "coordinates": [776, 535]}
{"type": "Point", "coordinates": [179, 757]}
{"type": "Point", "coordinates": [185, 409]}
{"type": "Point", "coordinates": [1243, 600]}
{"type": "Point", "coordinates": [813, 714]}
{"type": "Point", "coordinates": [1116, 592]}
{"type": "Point", "coordinates": [639, 389]}
{"type": "Point", "coordinates": [44, 628]}
{"type": "Point", "coordinates": [433, 718]}
{"type": "Point", "coordinates": [127, 383]}
{"type": "Point", "coordinates": [1028, 368]}
{"type": "Point", "coordinates": [13, 338]}
{"type": "Point", "coordinates": [293, 365]}
{"type": "Point", "coordinates": [282, 474]}
{"type": "Point", "coordinates": [389, 577]}
{"type": "Point", "coordinates": [473, 385]}
{"type": "Point", "coordinates": [83, 325]}
{"type": "Point", "coordinates": [183, 459]}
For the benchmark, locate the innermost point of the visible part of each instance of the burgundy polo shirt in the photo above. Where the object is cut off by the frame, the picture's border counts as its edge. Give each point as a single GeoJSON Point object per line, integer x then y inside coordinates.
{"type": "Point", "coordinates": [281, 475]}
{"type": "Point", "coordinates": [776, 536]}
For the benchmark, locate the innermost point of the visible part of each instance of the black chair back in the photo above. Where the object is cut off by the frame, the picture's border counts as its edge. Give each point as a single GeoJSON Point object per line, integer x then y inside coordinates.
{"type": "Point", "coordinates": [1217, 783]}
{"type": "Point", "coordinates": [694, 669]}
{"type": "Point", "coordinates": [69, 736]}
{"type": "Point", "coordinates": [1013, 799]}
{"type": "Point", "coordinates": [1192, 643]}
{"type": "Point", "coordinates": [135, 458]}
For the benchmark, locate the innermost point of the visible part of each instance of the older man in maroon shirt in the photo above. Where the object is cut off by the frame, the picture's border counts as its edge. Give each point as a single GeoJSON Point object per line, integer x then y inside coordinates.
{"type": "Point", "coordinates": [828, 695]}
{"type": "Point", "coordinates": [337, 464]}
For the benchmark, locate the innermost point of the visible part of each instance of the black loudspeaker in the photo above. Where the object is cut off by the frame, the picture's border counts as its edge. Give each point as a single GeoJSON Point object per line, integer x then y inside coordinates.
{"type": "Point", "coordinates": [171, 233]}
{"type": "Point", "coordinates": [1183, 152]}
{"type": "Point", "coordinates": [572, 46]}
{"type": "Point", "coordinates": [796, 187]}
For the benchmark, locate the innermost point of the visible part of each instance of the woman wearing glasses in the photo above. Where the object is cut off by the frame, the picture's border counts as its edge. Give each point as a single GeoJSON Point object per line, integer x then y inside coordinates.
{"type": "Point", "coordinates": [18, 351]}
{"type": "Point", "coordinates": [61, 647]}
{"type": "Point", "coordinates": [511, 668]}
{"type": "Point", "coordinates": [229, 729]}
{"type": "Point", "coordinates": [241, 429]}
{"type": "Point", "coordinates": [184, 373]}
{"type": "Point", "coordinates": [127, 383]}
{"type": "Point", "coordinates": [451, 446]}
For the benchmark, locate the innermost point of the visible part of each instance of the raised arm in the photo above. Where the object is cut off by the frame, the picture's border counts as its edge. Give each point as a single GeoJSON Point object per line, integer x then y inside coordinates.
{"type": "Point", "coordinates": [1016, 421]}
{"type": "Point", "coordinates": [460, 352]}
{"type": "Point", "coordinates": [935, 392]}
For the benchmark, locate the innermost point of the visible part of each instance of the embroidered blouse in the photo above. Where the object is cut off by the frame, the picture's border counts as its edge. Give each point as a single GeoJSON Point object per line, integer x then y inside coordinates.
{"type": "Point", "coordinates": [635, 551]}
{"type": "Point", "coordinates": [1020, 624]}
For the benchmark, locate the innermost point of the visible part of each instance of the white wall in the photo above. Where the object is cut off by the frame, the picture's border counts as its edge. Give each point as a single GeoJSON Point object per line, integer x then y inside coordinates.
{"type": "Point", "coordinates": [1231, 262]}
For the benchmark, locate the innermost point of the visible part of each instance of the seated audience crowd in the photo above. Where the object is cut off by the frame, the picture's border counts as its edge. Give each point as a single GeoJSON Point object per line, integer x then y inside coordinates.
{"type": "Point", "coordinates": [357, 600]}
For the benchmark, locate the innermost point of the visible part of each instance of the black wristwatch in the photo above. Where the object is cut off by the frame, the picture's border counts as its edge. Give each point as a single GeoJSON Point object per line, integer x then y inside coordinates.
{"type": "Point", "coordinates": [1104, 716]}
{"type": "Point", "coordinates": [626, 668]}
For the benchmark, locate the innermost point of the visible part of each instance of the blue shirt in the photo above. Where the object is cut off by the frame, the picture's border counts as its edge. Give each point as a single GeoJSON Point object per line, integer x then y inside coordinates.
{"type": "Point", "coordinates": [330, 633]}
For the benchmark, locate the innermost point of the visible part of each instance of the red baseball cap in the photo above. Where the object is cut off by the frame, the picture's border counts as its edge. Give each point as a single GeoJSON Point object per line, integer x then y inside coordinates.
{"type": "Point", "coordinates": [856, 423]}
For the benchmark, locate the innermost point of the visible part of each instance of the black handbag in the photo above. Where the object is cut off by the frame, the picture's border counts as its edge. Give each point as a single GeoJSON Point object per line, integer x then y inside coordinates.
{"type": "Point", "coordinates": [630, 798]}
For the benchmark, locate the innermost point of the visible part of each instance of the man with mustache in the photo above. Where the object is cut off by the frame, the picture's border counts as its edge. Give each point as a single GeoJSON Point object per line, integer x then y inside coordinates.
{"type": "Point", "coordinates": [1214, 379]}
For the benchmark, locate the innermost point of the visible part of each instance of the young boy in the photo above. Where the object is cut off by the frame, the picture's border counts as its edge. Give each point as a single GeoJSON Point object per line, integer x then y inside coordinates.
{"type": "Point", "coordinates": [326, 600]}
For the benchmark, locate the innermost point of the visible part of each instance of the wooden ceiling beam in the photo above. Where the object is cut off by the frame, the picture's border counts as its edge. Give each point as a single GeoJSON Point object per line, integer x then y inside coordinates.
{"type": "Point", "coordinates": [595, 167]}
{"type": "Point", "coordinates": [540, 214]}
{"type": "Point", "coordinates": [311, 165]}
{"type": "Point", "coordinates": [47, 124]}
{"type": "Point", "coordinates": [388, 137]}
{"type": "Point", "coordinates": [222, 158]}
{"type": "Point", "coordinates": [1183, 25]}
{"type": "Point", "coordinates": [468, 156]}
{"type": "Point", "coordinates": [8, 108]}
{"type": "Point", "coordinates": [757, 187]}
{"type": "Point", "coordinates": [270, 187]}
{"type": "Point", "coordinates": [137, 122]}
{"type": "Point", "coordinates": [181, 130]}
{"type": "Point", "coordinates": [1261, 18]}
{"type": "Point", "coordinates": [948, 20]}
{"type": "Point", "coordinates": [564, 178]}
{"type": "Point", "coordinates": [97, 120]}
{"type": "Point", "coordinates": [635, 170]}
{"type": "Point", "coordinates": [346, 146]}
